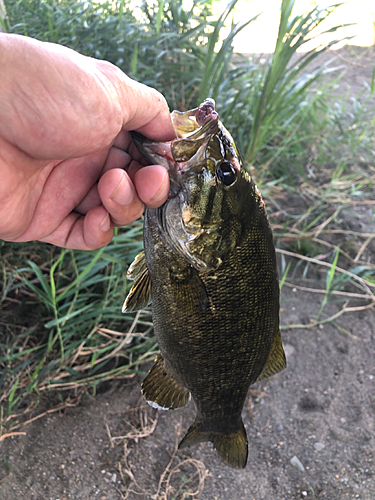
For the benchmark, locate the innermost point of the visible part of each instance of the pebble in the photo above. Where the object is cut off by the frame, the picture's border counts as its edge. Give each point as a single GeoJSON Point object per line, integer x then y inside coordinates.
{"type": "Point", "coordinates": [318, 446]}
{"type": "Point", "coordinates": [114, 477]}
{"type": "Point", "coordinates": [289, 350]}
{"type": "Point", "coordinates": [297, 463]}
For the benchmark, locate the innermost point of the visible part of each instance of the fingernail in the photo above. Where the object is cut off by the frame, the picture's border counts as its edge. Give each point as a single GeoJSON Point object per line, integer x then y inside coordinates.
{"type": "Point", "coordinates": [105, 225]}
{"type": "Point", "coordinates": [160, 194]}
{"type": "Point", "coordinates": [124, 193]}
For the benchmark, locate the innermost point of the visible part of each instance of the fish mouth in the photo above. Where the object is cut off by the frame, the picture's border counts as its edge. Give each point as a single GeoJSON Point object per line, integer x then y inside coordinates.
{"type": "Point", "coordinates": [153, 151]}
{"type": "Point", "coordinates": [185, 153]}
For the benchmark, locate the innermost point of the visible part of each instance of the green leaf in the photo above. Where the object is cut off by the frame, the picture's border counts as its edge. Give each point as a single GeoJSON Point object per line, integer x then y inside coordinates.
{"type": "Point", "coordinates": [332, 270]}
{"type": "Point", "coordinates": [95, 257]}
{"type": "Point", "coordinates": [67, 317]}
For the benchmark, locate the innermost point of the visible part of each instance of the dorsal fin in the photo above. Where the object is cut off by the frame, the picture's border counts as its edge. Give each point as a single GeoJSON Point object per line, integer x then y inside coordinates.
{"type": "Point", "coordinates": [161, 390]}
{"type": "Point", "coordinates": [276, 359]}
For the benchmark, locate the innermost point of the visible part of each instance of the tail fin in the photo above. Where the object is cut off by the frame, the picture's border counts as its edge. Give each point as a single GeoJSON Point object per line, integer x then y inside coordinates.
{"type": "Point", "coordinates": [231, 447]}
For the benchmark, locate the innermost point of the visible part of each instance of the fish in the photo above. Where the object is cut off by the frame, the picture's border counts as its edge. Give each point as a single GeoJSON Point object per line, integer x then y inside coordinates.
{"type": "Point", "coordinates": [209, 270]}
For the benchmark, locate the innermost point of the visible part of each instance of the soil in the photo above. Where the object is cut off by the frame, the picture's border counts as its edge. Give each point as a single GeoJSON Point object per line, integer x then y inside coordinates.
{"type": "Point", "coordinates": [310, 428]}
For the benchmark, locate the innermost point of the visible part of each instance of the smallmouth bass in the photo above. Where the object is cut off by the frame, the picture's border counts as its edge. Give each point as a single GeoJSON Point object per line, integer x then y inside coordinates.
{"type": "Point", "coordinates": [209, 269]}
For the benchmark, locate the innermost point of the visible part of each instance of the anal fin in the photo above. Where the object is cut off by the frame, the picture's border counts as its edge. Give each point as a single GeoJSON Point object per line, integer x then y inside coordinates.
{"type": "Point", "coordinates": [276, 361]}
{"type": "Point", "coordinates": [161, 390]}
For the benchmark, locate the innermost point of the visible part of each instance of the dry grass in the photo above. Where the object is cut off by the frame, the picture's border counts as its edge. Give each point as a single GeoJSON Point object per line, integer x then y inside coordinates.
{"type": "Point", "coordinates": [181, 478]}
{"type": "Point", "coordinates": [318, 251]}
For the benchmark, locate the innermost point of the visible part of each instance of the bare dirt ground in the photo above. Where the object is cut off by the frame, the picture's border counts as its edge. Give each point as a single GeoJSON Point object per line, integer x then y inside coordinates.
{"type": "Point", "coordinates": [311, 428]}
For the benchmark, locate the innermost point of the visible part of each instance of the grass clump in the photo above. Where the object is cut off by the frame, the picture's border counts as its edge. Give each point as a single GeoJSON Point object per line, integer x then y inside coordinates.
{"type": "Point", "coordinates": [61, 324]}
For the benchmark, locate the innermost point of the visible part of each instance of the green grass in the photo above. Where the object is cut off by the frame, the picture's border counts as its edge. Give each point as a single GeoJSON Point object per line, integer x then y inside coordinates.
{"type": "Point", "coordinates": [61, 323]}
{"type": "Point", "coordinates": [71, 331]}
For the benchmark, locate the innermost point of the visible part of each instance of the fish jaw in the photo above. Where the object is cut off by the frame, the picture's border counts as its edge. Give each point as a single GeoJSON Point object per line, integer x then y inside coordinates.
{"type": "Point", "coordinates": [154, 152]}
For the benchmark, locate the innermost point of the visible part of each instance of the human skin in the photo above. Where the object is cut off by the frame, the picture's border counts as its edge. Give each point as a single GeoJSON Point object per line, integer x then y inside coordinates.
{"type": "Point", "coordinates": [69, 172]}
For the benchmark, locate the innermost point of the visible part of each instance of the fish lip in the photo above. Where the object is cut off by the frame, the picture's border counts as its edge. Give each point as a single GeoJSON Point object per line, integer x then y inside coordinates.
{"type": "Point", "coordinates": [206, 112]}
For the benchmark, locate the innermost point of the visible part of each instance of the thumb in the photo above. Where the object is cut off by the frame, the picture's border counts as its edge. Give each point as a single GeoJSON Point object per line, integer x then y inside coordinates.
{"type": "Point", "coordinates": [146, 111]}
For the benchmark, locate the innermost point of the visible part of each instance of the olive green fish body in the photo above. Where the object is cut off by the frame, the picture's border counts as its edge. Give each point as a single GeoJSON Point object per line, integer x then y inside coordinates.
{"type": "Point", "coordinates": [215, 298]}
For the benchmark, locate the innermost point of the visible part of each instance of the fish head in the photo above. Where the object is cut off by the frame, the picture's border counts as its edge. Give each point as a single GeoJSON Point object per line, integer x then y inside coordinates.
{"type": "Point", "coordinates": [201, 219]}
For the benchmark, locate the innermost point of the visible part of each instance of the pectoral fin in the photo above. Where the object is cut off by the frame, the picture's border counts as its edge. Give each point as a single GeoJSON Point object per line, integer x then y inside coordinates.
{"type": "Point", "coordinates": [190, 288]}
{"type": "Point", "coordinates": [276, 359]}
{"type": "Point", "coordinates": [161, 390]}
{"type": "Point", "coordinates": [140, 294]}
{"type": "Point", "coordinates": [199, 290]}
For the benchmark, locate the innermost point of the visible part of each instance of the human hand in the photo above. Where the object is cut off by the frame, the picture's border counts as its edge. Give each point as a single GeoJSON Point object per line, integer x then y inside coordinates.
{"type": "Point", "coordinates": [69, 171]}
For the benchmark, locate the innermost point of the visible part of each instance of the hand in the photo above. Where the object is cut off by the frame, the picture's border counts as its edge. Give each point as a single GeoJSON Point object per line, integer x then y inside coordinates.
{"type": "Point", "coordinates": [69, 172]}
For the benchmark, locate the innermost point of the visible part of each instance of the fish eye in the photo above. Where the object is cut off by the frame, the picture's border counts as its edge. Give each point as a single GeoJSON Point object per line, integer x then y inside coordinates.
{"type": "Point", "coordinates": [226, 173]}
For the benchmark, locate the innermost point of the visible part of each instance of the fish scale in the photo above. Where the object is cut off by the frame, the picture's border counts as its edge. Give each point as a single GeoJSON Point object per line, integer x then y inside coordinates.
{"type": "Point", "coordinates": [210, 271]}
